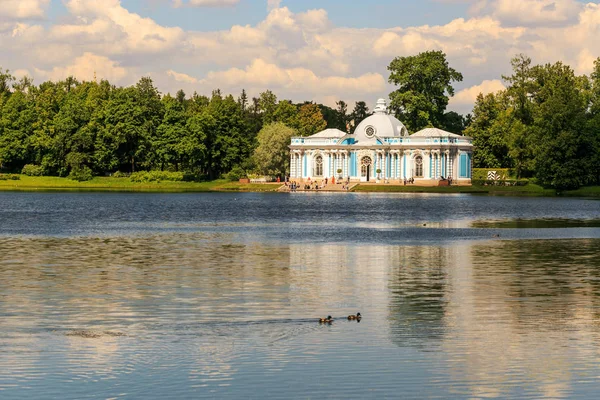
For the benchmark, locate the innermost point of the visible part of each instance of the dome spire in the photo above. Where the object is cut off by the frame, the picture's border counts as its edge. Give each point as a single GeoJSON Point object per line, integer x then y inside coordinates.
{"type": "Point", "coordinates": [381, 107]}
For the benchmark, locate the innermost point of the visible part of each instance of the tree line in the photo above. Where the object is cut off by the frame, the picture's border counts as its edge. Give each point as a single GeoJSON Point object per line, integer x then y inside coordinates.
{"type": "Point", "coordinates": [545, 125]}
{"type": "Point", "coordinates": [81, 129]}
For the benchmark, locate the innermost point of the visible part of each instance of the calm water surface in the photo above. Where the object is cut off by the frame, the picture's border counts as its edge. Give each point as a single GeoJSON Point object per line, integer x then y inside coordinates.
{"type": "Point", "coordinates": [218, 295]}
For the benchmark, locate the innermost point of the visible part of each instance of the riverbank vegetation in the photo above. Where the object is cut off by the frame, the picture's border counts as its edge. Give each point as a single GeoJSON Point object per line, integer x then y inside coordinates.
{"type": "Point", "coordinates": [544, 126]}
{"type": "Point", "coordinates": [125, 184]}
{"type": "Point", "coordinates": [15, 182]}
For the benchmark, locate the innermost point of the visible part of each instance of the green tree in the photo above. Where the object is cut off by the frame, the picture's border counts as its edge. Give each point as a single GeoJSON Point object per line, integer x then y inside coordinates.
{"type": "Point", "coordinates": [272, 156]}
{"type": "Point", "coordinates": [310, 120]}
{"type": "Point", "coordinates": [424, 86]}
{"type": "Point", "coordinates": [454, 122]}
{"type": "Point", "coordinates": [16, 126]}
{"type": "Point", "coordinates": [286, 113]}
{"type": "Point", "coordinates": [360, 112]}
{"type": "Point", "coordinates": [561, 147]}
{"type": "Point", "coordinates": [489, 140]}
{"type": "Point", "coordinates": [593, 124]}
{"type": "Point", "coordinates": [171, 134]}
{"type": "Point", "coordinates": [267, 103]}
{"type": "Point", "coordinates": [342, 117]}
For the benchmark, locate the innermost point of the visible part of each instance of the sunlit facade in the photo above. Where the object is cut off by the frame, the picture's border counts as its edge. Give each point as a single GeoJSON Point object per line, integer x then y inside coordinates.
{"type": "Point", "coordinates": [382, 143]}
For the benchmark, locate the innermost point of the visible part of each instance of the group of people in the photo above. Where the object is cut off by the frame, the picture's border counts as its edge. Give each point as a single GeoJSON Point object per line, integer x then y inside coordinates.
{"type": "Point", "coordinates": [315, 185]}
{"type": "Point", "coordinates": [409, 181]}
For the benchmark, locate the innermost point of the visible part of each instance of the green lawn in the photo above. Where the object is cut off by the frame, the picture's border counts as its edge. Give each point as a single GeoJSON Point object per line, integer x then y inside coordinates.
{"type": "Point", "coordinates": [33, 183]}
{"type": "Point", "coordinates": [41, 183]}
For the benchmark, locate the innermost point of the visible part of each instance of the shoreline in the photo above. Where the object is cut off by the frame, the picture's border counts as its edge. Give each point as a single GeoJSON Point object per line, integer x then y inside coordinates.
{"type": "Point", "coordinates": [109, 185]}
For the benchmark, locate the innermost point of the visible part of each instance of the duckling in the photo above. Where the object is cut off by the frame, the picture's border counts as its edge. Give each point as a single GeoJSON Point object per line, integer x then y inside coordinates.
{"type": "Point", "coordinates": [353, 317]}
{"type": "Point", "coordinates": [326, 320]}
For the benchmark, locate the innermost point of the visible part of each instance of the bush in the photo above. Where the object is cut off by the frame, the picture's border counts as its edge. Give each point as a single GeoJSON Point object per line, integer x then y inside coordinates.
{"type": "Point", "coordinates": [482, 173]}
{"type": "Point", "coordinates": [189, 176]}
{"type": "Point", "coordinates": [81, 174]}
{"type": "Point", "coordinates": [156, 176]}
{"type": "Point", "coordinates": [120, 174]}
{"type": "Point", "coordinates": [235, 174]}
{"type": "Point", "coordinates": [32, 170]}
{"type": "Point", "coordinates": [506, 182]}
{"type": "Point", "coordinates": [11, 177]}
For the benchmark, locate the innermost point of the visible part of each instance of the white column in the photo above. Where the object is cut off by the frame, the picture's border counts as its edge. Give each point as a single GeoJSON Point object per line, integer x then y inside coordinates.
{"type": "Point", "coordinates": [347, 164]}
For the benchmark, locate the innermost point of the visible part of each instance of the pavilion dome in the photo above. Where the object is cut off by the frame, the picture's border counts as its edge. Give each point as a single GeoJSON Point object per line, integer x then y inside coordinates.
{"type": "Point", "coordinates": [380, 124]}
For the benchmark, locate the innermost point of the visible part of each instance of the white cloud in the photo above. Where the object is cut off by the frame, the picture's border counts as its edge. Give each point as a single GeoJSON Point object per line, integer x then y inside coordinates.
{"type": "Point", "coordinates": [531, 12]}
{"type": "Point", "coordinates": [300, 56]}
{"type": "Point", "coordinates": [86, 68]}
{"type": "Point", "coordinates": [106, 26]}
{"type": "Point", "coordinates": [261, 75]}
{"type": "Point", "coordinates": [23, 9]}
{"type": "Point", "coordinates": [465, 98]}
{"type": "Point", "coordinates": [181, 77]}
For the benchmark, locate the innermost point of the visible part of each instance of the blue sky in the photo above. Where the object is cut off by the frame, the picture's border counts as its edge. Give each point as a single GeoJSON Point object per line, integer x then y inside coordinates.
{"type": "Point", "coordinates": [301, 49]}
{"type": "Point", "coordinates": [381, 14]}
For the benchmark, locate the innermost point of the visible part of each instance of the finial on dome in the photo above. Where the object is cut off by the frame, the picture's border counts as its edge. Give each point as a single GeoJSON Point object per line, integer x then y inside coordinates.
{"type": "Point", "coordinates": [381, 106]}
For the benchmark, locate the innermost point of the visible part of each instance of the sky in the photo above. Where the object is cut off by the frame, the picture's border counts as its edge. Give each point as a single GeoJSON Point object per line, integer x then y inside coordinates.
{"type": "Point", "coordinates": [315, 50]}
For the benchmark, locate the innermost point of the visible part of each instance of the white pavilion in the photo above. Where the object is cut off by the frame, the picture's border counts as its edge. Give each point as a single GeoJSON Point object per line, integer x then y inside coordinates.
{"type": "Point", "coordinates": [381, 142]}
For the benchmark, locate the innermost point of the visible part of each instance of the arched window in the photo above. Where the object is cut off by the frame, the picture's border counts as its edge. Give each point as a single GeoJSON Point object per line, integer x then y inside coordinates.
{"type": "Point", "coordinates": [365, 166]}
{"type": "Point", "coordinates": [418, 167]}
{"type": "Point", "coordinates": [319, 166]}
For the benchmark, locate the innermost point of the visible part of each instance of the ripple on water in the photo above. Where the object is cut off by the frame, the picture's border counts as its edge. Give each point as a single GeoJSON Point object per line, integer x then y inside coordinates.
{"type": "Point", "coordinates": [204, 312]}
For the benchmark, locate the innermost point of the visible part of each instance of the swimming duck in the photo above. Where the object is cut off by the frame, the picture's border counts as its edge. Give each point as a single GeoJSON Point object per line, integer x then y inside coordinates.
{"type": "Point", "coordinates": [324, 320]}
{"type": "Point", "coordinates": [353, 317]}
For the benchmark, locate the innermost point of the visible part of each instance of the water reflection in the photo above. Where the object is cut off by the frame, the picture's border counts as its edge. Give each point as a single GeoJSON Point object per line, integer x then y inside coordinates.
{"type": "Point", "coordinates": [417, 289]}
{"type": "Point", "coordinates": [521, 317]}
{"type": "Point", "coordinates": [216, 314]}
{"type": "Point", "coordinates": [537, 223]}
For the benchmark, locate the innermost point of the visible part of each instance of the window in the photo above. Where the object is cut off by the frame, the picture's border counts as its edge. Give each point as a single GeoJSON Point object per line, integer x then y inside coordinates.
{"type": "Point", "coordinates": [419, 167]}
{"type": "Point", "coordinates": [319, 166]}
{"type": "Point", "coordinates": [370, 131]}
{"type": "Point", "coordinates": [365, 166]}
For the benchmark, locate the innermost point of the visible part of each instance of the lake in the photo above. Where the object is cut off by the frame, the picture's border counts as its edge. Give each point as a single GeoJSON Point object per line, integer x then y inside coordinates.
{"type": "Point", "coordinates": [218, 295]}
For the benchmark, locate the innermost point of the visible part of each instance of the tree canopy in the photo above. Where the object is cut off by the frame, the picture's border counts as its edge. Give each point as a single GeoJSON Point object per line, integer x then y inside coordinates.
{"type": "Point", "coordinates": [544, 125]}
{"type": "Point", "coordinates": [424, 85]}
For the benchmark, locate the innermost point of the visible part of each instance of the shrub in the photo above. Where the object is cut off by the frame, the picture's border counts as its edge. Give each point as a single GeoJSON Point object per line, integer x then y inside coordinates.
{"type": "Point", "coordinates": [482, 173]}
{"type": "Point", "coordinates": [11, 177]}
{"type": "Point", "coordinates": [156, 176]}
{"type": "Point", "coordinates": [506, 182]}
{"type": "Point", "coordinates": [32, 170]}
{"type": "Point", "coordinates": [81, 174]}
{"type": "Point", "coordinates": [235, 174]}
{"type": "Point", "coordinates": [190, 176]}
{"type": "Point", "coordinates": [120, 174]}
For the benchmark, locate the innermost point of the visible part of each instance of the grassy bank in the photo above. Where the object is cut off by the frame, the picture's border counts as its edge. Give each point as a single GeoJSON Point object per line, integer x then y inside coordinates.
{"type": "Point", "coordinates": [49, 183]}
{"type": "Point", "coordinates": [529, 190]}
